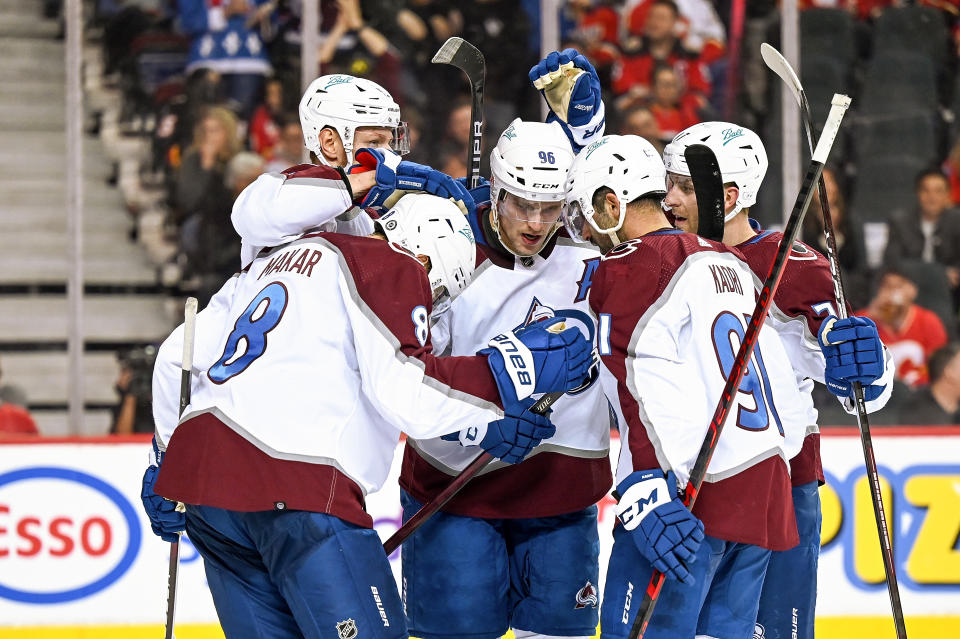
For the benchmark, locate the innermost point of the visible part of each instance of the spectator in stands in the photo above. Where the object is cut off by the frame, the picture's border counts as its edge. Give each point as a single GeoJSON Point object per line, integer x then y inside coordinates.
{"type": "Point", "coordinates": [595, 31]}
{"type": "Point", "coordinates": [633, 75]}
{"type": "Point", "coordinates": [264, 129]}
{"type": "Point", "coordinates": [671, 115]}
{"type": "Point", "coordinates": [15, 421]}
{"type": "Point", "coordinates": [353, 46]}
{"type": "Point", "coordinates": [202, 169]}
{"type": "Point", "coordinates": [938, 403]}
{"type": "Point", "coordinates": [911, 332]}
{"type": "Point", "coordinates": [289, 148]}
{"type": "Point", "coordinates": [12, 394]}
{"type": "Point", "coordinates": [851, 251]}
{"type": "Point", "coordinates": [931, 233]}
{"type": "Point", "coordinates": [225, 37]}
{"type": "Point", "coordinates": [212, 253]}
{"type": "Point", "coordinates": [698, 26]}
{"type": "Point", "coordinates": [638, 120]}
{"type": "Point", "coordinates": [133, 413]}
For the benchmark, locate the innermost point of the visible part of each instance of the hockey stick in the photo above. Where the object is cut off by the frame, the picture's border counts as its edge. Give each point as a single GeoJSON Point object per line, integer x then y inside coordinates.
{"type": "Point", "coordinates": [541, 406]}
{"type": "Point", "coordinates": [840, 104]}
{"type": "Point", "coordinates": [459, 53]}
{"type": "Point", "coordinates": [779, 65]}
{"type": "Point", "coordinates": [173, 569]}
{"type": "Point", "coordinates": [708, 186]}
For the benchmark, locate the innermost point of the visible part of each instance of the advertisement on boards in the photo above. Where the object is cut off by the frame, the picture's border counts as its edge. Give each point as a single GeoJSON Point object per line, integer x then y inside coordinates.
{"type": "Point", "coordinates": [76, 549]}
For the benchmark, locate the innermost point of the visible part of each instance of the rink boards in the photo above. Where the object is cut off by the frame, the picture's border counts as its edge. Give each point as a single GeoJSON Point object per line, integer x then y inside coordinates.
{"type": "Point", "coordinates": [78, 559]}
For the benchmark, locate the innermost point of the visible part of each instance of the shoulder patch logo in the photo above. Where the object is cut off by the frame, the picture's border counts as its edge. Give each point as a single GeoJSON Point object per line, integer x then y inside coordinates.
{"type": "Point", "coordinates": [587, 596]}
{"type": "Point", "coordinates": [347, 629]}
{"type": "Point", "coordinates": [759, 632]}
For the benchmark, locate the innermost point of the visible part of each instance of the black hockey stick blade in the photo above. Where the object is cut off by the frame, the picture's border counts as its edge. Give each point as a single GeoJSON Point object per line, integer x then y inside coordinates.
{"type": "Point", "coordinates": [708, 185]}
{"type": "Point", "coordinates": [459, 53]}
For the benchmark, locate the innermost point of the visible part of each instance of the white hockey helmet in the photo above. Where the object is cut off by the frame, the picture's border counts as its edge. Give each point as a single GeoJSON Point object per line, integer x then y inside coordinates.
{"type": "Point", "coordinates": [739, 151]}
{"type": "Point", "coordinates": [528, 170]}
{"type": "Point", "coordinates": [428, 225]}
{"type": "Point", "coordinates": [627, 164]}
{"type": "Point", "coordinates": [344, 103]}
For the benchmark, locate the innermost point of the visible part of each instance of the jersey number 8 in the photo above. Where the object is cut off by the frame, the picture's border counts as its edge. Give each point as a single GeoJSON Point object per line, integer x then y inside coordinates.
{"type": "Point", "coordinates": [259, 318]}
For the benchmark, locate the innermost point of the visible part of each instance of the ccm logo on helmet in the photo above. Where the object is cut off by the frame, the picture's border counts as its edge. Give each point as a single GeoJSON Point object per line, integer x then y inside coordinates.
{"type": "Point", "coordinates": [64, 535]}
{"type": "Point", "coordinates": [539, 185]}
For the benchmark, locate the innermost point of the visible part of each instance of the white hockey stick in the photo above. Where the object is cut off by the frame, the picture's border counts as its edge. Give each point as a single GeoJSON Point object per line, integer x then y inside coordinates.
{"type": "Point", "coordinates": [173, 569]}
{"type": "Point", "coordinates": [779, 65]}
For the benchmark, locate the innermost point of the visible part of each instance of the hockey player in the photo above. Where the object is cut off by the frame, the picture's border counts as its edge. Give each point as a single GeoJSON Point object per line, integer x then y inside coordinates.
{"type": "Point", "coordinates": [339, 114]}
{"type": "Point", "coordinates": [488, 560]}
{"type": "Point", "coordinates": [672, 309]}
{"type": "Point", "coordinates": [820, 347]}
{"type": "Point", "coordinates": [323, 358]}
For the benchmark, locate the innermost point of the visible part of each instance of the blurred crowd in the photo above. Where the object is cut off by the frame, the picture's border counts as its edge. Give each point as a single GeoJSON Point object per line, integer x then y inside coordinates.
{"type": "Point", "coordinates": [213, 86]}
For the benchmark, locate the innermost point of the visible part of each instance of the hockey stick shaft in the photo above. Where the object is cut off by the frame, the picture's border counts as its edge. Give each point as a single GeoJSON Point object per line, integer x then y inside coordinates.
{"type": "Point", "coordinates": [840, 104]}
{"type": "Point", "coordinates": [541, 406]}
{"type": "Point", "coordinates": [459, 53]}
{"type": "Point", "coordinates": [173, 568]}
{"type": "Point", "coordinates": [779, 65]}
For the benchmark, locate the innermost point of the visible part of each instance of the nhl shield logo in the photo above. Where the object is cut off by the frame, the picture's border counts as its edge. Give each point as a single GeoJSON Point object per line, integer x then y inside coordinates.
{"type": "Point", "coordinates": [586, 596]}
{"type": "Point", "coordinates": [347, 629]}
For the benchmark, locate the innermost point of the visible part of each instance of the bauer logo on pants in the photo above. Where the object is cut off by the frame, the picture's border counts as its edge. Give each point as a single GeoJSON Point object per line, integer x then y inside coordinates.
{"type": "Point", "coordinates": [347, 629]}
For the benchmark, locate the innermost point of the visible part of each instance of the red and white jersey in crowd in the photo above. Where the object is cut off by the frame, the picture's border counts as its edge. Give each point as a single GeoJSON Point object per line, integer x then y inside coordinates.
{"type": "Point", "coordinates": [672, 310]}
{"type": "Point", "coordinates": [564, 474]}
{"type": "Point", "coordinates": [804, 299]}
{"type": "Point", "coordinates": [323, 358]}
{"type": "Point", "coordinates": [278, 207]}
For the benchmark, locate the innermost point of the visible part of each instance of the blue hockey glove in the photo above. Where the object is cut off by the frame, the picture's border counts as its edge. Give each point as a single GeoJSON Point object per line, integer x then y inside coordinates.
{"type": "Point", "coordinates": [480, 194]}
{"type": "Point", "coordinates": [165, 520]}
{"type": "Point", "coordinates": [666, 533]}
{"type": "Point", "coordinates": [384, 163]}
{"type": "Point", "coordinates": [854, 353]}
{"type": "Point", "coordinates": [534, 359]}
{"type": "Point", "coordinates": [571, 87]}
{"type": "Point", "coordinates": [509, 439]}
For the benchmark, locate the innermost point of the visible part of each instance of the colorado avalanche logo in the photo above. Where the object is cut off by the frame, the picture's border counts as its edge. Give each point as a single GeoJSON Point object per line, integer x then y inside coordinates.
{"type": "Point", "coordinates": [347, 629]}
{"type": "Point", "coordinates": [587, 596]}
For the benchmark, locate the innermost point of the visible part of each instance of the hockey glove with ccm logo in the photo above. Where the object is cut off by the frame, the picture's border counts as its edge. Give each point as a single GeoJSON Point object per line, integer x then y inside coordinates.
{"type": "Point", "coordinates": [854, 353]}
{"type": "Point", "coordinates": [509, 439]}
{"type": "Point", "coordinates": [166, 518]}
{"type": "Point", "coordinates": [571, 87]}
{"type": "Point", "coordinates": [666, 533]}
{"type": "Point", "coordinates": [396, 177]}
{"type": "Point", "coordinates": [534, 359]}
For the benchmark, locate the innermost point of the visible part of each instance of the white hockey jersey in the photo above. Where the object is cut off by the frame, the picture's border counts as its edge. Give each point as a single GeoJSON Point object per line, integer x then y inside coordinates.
{"type": "Point", "coordinates": [673, 309]}
{"type": "Point", "coordinates": [278, 207]}
{"type": "Point", "coordinates": [804, 299]}
{"type": "Point", "coordinates": [569, 471]}
{"type": "Point", "coordinates": [322, 356]}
